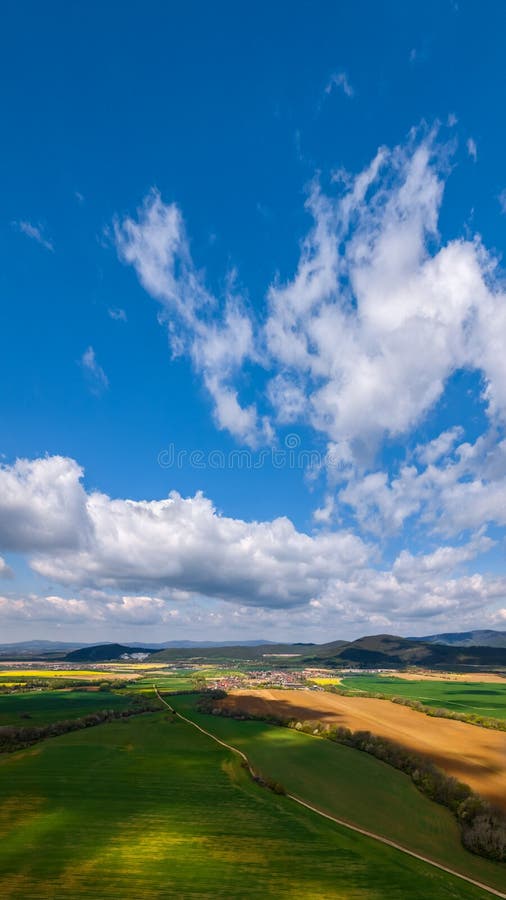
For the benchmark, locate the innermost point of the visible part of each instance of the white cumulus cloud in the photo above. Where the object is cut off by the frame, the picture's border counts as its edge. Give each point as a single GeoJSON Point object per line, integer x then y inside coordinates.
{"type": "Point", "coordinates": [182, 543]}
{"type": "Point", "coordinates": [217, 336]}
{"type": "Point", "coordinates": [139, 561]}
{"type": "Point", "coordinates": [360, 343]}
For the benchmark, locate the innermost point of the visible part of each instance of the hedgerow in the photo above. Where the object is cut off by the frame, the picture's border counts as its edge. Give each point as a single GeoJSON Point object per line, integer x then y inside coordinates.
{"type": "Point", "coordinates": [13, 737]}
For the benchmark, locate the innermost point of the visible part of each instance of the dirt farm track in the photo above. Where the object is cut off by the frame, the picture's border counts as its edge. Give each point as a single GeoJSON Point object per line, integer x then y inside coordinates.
{"type": "Point", "coordinates": [474, 755]}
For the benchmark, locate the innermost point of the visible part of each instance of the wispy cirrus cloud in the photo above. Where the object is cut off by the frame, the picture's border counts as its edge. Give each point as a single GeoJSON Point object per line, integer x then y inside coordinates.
{"type": "Point", "coordinates": [472, 149]}
{"type": "Point", "coordinates": [95, 375]}
{"type": "Point", "coordinates": [35, 232]}
{"type": "Point", "coordinates": [339, 81]}
{"type": "Point", "coordinates": [117, 314]}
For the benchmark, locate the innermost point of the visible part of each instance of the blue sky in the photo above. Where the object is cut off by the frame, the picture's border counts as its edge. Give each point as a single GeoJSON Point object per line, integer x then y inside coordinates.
{"type": "Point", "coordinates": [274, 230]}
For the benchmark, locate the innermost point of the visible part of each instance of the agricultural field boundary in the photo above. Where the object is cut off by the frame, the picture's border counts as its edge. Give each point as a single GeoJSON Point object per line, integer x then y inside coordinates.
{"type": "Point", "coordinates": [433, 712]}
{"type": "Point", "coordinates": [337, 821]}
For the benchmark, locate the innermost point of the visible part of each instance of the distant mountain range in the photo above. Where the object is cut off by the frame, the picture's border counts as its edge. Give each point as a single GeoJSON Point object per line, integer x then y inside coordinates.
{"type": "Point", "coordinates": [34, 648]}
{"type": "Point", "coordinates": [452, 649]}
{"type": "Point", "coordinates": [188, 644]}
{"type": "Point", "coordinates": [374, 651]}
{"type": "Point", "coordinates": [481, 638]}
{"type": "Point", "coordinates": [389, 651]}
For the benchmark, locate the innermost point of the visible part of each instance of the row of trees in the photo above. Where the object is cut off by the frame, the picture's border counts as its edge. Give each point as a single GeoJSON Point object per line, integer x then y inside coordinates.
{"type": "Point", "coordinates": [13, 737]}
{"type": "Point", "coordinates": [264, 781]}
{"type": "Point", "coordinates": [208, 700]}
{"type": "Point", "coordinates": [58, 684]}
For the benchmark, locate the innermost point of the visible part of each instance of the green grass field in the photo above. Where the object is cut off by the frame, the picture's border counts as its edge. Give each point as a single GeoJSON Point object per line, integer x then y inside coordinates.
{"type": "Point", "coordinates": [352, 786]}
{"type": "Point", "coordinates": [182, 681]}
{"type": "Point", "coordinates": [464, 697]}
{"type": "Point", "coordinates": [44, 707]}
{"type": "Point", "coordinates": [150, 809]}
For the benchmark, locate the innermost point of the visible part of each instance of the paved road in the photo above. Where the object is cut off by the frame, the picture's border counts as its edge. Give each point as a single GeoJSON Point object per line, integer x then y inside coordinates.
{"type": "Point", "coordinates": [342, 822]}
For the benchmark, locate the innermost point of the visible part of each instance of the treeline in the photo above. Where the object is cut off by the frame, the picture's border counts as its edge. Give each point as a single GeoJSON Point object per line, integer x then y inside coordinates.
{"type": "Point", "coordinates": [208, 699]}
{"type": "Point", "coordinates": [13, 737]}
{"type": "Point", "coordinates": [264, 780]}
{"type": "Point", "coordinates": [482, 826]}
{"type": "Point", "coordinates": [185, 692]}
{"type": "Point", "coordinates": [58, 684]}
{"type": "Point", "coordinates": [269, 783]}
{"type": "Point", "coordinates": [439, 713]}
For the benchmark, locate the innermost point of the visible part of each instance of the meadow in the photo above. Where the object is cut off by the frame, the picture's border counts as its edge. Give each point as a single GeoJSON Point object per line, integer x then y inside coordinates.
{"type": "Point", "coordinates": [43, 707]}
{"type": "Point", "coordinates": [152, 808]}
{"type": "Point", "coordinates": [180, 681]}
{"type": "Point", "coordinates": [351, 785]}
{"type": "Point", "coordinates": [485, 699]}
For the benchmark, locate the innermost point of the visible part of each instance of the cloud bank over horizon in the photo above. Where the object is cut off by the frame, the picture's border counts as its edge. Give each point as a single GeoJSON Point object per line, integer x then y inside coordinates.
{"type": "Point", "coordinates": [179, 561]}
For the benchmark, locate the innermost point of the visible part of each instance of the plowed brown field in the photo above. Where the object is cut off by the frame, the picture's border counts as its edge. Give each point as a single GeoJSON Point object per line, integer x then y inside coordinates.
{"type": "Point", "coordinates": [472, 754]}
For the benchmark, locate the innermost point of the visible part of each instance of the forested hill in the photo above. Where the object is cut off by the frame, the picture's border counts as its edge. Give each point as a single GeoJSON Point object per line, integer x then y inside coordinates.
{"type": "Point", "coordinates": [389, 651]}
{"type": "Point", "coordinates": [480, 637]}
{"type": "Point", "coordinates": [105, 653]}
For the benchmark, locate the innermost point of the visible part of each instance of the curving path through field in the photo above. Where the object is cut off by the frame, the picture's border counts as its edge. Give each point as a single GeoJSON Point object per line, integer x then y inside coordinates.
{"type": "Point", "coordinates": [342, 822]}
